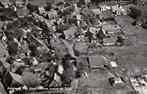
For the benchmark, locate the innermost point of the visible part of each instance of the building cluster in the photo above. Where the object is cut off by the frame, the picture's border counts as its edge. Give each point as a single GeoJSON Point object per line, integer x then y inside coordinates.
{"type": "Point", "coordinates": [139, 83]}
{"type": "Point", "coordinates": [44, 43]}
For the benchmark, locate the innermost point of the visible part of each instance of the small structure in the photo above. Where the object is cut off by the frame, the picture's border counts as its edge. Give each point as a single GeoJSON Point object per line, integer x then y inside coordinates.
{"type": "Point", "coordinates": [113, 64]}
{"type": "Point", "coordinates": [116, 81]}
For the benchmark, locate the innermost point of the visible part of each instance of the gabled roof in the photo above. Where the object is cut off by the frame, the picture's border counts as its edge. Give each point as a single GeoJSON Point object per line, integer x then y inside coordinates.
{"type": "Point", "coordinates": [33, 39]}
{"type": "Point", "coordinates": [56, 82]}
{"type": "Point", "coordinates": [70, 32]}
{"type": "Point", "coordinates": [97, 11]}
{"type": "Point", "coordinates": [60, 69]}
{"type": "Point", "coordinates": [41, 10]}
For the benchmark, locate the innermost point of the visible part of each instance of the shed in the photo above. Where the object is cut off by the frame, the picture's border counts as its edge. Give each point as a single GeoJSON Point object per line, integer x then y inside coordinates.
{"type": "Point", "coordinates": [116, 81]}
{"type": "Point", "coordinates": [113, 64]}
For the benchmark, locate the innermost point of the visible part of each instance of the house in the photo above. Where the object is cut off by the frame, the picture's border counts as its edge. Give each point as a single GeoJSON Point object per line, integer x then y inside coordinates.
{"type": "Point", "coordinates": [19, 3]}
{"type": "Point", "coordinates": [70, 32]}
{"type": "Point", "coordinates": [41, 10]}
{"type": "Point", "coordinates": [22, 12]}
{"type": "Point", "coordinates": [113, 64]}
{"type": "Point", "coordinates": [101, 34]}
{"type": "Point", "coordinates": [104, 7]}
{"type": "Point", "coordinates": [116, 81]}
{"type": "Point", "coordinates": [96, 61]}
{"type": "Point", "coordinates": [56, 82]}
{"type": "Point", "coordinates": [52, 14]}
{"type": "Point", "coordinates": [5, 3]}
{"type": "Point", "coordinates": [110, 41]}
{"type": "Point", "coordinates": [119, 10]}
{"type": "Point", "coordinates": [112, 29]}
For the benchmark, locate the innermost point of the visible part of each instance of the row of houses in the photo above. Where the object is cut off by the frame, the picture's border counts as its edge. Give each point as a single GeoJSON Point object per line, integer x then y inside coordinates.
{"type": "Point", "coordinates": [114, 6]}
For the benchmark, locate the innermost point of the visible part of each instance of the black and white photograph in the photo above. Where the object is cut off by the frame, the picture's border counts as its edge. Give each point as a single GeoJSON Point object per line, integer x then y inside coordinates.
{"type": "Point", "coordinates": [73, 46]}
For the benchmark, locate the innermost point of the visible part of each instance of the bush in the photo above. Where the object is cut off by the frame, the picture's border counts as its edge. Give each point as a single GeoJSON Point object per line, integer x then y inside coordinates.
{"type": "Point", "coordinates": [13, 48]}
{"type": "Point", "coordinates": [32, 8]}
{"type": "Point", "coordinates": [68, 76]}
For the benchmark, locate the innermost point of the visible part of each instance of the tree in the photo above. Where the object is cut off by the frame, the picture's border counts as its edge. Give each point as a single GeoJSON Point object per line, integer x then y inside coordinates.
{"type": "Point", "coordinates": [32, 8]}
{"type": "Point", "coordinates": [49, 6]}
{"type": "Point", "coordinates": [68, 77]}
{"type": "Point", "coordinates": [13, 49]}
{"type": "Point", "coordinates": [33, 48]}
{"type": "Point", "coordinates": [69, 73]}
{"type": "Point", "coordinates": [135, 13]}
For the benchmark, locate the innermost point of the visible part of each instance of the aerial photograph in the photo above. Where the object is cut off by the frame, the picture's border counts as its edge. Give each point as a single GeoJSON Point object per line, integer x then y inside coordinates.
{"type": "Point", "coordinates": [73, 46]}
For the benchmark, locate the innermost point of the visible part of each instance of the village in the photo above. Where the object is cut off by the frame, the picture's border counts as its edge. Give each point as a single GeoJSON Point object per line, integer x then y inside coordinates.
{"type": "Point", "coordinates": [73, 47]}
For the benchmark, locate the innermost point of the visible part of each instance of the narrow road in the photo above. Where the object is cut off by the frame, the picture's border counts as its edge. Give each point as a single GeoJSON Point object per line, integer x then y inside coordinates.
{"type": "Point", "coordinates": [69, 47]}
